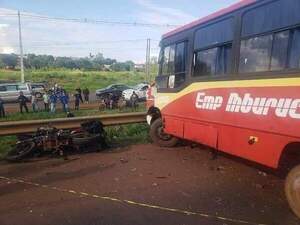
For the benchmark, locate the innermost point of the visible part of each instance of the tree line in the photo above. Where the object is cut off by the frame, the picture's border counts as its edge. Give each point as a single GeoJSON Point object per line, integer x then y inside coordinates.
{"type": "Point", "coordinates": [97, 62]}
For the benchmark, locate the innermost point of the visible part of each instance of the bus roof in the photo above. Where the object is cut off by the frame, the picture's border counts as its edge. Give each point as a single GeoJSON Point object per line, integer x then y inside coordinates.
{"type": "Point", "coordinates": [212, 16]}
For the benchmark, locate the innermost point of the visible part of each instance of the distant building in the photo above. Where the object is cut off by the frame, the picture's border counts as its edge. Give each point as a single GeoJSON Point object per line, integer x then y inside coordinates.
{"type": "Point", "coordinates": [107, 68]}
{"type": "Point", "coordinates": [139, 67]}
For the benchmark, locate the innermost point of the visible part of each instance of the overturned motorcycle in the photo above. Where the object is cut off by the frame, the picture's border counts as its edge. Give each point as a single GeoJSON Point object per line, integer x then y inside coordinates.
{"type": "Point", "coordinates": [56, 141]}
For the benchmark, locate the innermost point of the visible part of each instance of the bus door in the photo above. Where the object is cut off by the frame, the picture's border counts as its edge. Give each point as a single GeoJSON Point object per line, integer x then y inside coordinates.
{"type": "Point", "coordinates": [172, 76]}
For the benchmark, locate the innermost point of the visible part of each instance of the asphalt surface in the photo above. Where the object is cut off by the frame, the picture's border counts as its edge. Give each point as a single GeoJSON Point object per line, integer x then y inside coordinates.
{"type": "Point", "coordinates": [141, 184]}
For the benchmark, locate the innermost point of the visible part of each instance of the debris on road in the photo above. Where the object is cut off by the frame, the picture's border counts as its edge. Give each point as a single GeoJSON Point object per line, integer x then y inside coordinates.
{"type": "Point", "coordinates": [262, 173]}
{"type": "Point", "coordinates": [122, 160]}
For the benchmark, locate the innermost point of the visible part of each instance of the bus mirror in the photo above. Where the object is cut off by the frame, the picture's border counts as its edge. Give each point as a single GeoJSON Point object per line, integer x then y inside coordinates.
{"type": "Point", "coordinates": [171, 81]}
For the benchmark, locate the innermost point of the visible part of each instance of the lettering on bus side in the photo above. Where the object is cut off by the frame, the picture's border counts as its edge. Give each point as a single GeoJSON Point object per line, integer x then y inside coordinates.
{"type": "Point", "coordinates": [208, 102]}
{"type": "Point", "coordinates": [283, 107]}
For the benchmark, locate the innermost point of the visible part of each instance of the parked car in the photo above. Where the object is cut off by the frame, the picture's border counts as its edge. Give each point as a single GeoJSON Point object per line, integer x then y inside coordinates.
{"type": "Point", "coordinates": [140, 90]}
{"type": "Point", "coordinates": [38, 88]}
{"type": "Point", "coordinates": [114, 89]}
{"type": "Point", "coordinates": [9, 92]}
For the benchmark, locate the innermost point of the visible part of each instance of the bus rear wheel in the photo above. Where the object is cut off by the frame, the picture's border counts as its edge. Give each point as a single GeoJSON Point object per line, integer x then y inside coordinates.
{"type": "Point", "coordinates": [159, 137]}
{"type": "Point", "coordinates": [292, 189]}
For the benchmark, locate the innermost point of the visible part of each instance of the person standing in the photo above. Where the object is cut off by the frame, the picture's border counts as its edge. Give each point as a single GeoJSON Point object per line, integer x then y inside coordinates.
{"type": "Point", "coordinates": [134, 100]}
{"type": "Point", "coordinates": [86, 94]}
{"type": "Point", "coordinates": [46, 101]}
{"type": "Point", "coordinates": [34, 102]}
{"type": "Point", "coordinates": [22, 99]}
{"type": "Point", "coordinates": [53, 100]}
{"type": "Point", "coordinates": [77, 100]}
{"type": "Point", "coordinates": [80, 94]}
{"type": "Point", "coordinates": [55, 88]}
{"type": "Point", "coordinates": [65, 101]}
{"type": "Point", "coordinates": [2, 110]}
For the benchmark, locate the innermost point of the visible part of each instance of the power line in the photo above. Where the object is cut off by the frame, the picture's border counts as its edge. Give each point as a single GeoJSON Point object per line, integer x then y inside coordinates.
{"type": "Point", "coordinates": [104, 41]}
{"type": "Point", "coordinates": [84, 47]}
{"type": "Point", "coordinates": [8, 14]}
{"type": "Point", "coordinates": [66, 44]}
{"type": "Point", "coordinates": [91, 21]}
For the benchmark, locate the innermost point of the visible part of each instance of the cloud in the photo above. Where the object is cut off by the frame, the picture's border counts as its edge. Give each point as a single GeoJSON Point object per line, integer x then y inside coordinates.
{"type": "Point", "coordinates": [152, 13]}
{"type": "Point", "coordinates": [61, 38]}
{"type": "Point", "coordinates": [5, 31]}
{"type": "Point", "coordinates": [3, 25]}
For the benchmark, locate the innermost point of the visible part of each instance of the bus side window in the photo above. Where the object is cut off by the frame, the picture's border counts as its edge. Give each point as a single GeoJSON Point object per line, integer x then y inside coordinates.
{"type": "Point", "coordinates": [214, 61]}
{"type": "Point", "coordinates": [213, 49]}
{"type": "Point", "coordinates": [205, 62]}
{"type": "Point", "coordinates": [180, 61]}
{"type": "Point", "coordinates": [165, 61]}
{"type": "Point", "coordinates": [172, 63]}
{"type": "Point", "coordinates": [280, 51]}
{"type": "Point", "coordinates": [255, 54]}
{"type": "Point", "coordinates": [264, 48]}
{"type": "Point", "coordinates": [270, 52]}
{"type": "Point", "coordinates": [172, 60]}
{"type": "Point", "coordinates": [295, 50]}
{"type": "Point", "coordinates": [180, 58]}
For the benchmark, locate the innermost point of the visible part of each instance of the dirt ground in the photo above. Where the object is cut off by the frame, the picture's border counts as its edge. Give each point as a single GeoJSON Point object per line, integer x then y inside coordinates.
{"type": "Point", "coordinates": [141, 184]}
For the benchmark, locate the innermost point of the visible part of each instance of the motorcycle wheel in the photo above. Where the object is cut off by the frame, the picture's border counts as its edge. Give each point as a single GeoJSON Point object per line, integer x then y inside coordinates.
{"type": "Point", "coordinates": [84, 138]}
{"type": "Point", "coordinates": [20, 151]}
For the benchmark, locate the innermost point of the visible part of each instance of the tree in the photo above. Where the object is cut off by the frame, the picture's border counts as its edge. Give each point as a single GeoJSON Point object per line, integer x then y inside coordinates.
{"type": "Point", "coordinates": [98, 61]}
{"type": "Point", "coordinates": [2, 65]}
{"type": "Point", "coordinates": [154, 65]}
{"type": "Point", "coordinates": [33, 61]}
{"type": "Point", "coordinates": [84, 63]}
{"type": "Point", "coordinates": [9, 60]}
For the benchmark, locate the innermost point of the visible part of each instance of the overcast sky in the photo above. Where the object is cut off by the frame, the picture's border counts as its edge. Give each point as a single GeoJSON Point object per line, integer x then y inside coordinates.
{"type": "Point", "coordinates": [80, 39]}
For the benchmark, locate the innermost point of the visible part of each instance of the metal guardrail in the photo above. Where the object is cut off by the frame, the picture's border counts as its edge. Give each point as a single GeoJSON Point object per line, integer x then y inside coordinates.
{"type": "Point", "coordinates": [29, 126]}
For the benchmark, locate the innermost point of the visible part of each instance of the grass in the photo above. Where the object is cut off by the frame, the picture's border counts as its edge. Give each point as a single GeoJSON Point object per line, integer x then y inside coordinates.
{"type": "Point", "coordinates": [127, 134]}
{"type": "Point", "coordinates": [5, 144]}
{"type": "Point", "coordinates": [116, 136]}
{"type": "Point", "coordinates": [71, 79]}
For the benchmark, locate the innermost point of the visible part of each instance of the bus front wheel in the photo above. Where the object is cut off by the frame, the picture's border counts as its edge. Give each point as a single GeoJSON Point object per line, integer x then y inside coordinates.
{"type": "Point", "coordinates": [159, 137]}
{"type": "Point", "coordinates": [292, 189]}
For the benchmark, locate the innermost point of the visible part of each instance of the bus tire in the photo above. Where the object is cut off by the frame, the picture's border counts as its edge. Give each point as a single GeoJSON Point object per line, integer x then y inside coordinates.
{"type": "Point", "coordinates": [292, 190]}
{"type": "Point", "coordinates": [159, 137]}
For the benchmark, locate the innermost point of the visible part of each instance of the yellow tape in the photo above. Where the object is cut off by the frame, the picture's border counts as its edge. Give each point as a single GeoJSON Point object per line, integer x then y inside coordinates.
{"type": "Point", "coordinates": [185, 212]}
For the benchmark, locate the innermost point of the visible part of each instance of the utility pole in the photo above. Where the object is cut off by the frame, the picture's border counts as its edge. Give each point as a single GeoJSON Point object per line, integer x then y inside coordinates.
{"type": "Point", "coordinates": [147, 66]}
{"type": "Point", "coordinates": [21, 49]}
{"type": "Point", "coordinates": [146, 62]}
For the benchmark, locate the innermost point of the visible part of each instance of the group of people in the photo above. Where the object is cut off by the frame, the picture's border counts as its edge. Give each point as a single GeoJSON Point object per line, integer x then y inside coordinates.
{"type": "Point", "coordinates": [112, 101]}
{"type": "Point", "coordinates": [58, 94]}
{"type": "Point", "coordinates": [50, 99]}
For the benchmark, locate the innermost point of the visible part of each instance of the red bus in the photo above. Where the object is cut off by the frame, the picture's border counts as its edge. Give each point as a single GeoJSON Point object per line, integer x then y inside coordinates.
{"type": "Point", "coordinates": [231, 81]}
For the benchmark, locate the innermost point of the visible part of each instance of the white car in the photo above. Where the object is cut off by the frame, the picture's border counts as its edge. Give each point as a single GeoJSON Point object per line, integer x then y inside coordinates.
{"type": "Point", "coordinates": [140, 90]}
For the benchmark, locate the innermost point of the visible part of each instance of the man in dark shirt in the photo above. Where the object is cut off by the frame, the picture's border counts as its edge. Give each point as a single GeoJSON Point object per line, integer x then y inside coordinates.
{"type": "Point", "coordinates": [80, 93]}
{"type": "Point", "coordinates": [22, 99]}
{"type": "Point", "coordinates": [86, 94]}
{"type": "Point", "coordinates": [134, 100]}
{"type": "Point", "coordinates": [77, 100]}
{"type": "Point", "coordinates": [2, 111]}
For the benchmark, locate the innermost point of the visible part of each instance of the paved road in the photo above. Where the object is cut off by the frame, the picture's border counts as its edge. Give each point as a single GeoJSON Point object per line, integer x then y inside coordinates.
{"type": "Point", "coordinates": [163, 186]}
